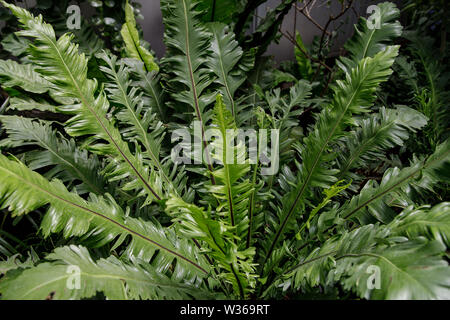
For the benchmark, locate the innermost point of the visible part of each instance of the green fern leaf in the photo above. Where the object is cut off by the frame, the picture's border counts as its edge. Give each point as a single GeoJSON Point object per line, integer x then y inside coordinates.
{"type": "Point", "coordinates": [139, 121]}
{"type": "Point", "coordinates": [133, 46]}
{"type": "Point", "coordinates": [99, 221]}
{"type": "Point", "coordinates": [60, 62]}
{"type": "Point", "coordinates": [116, 279]}
{"type": "Point", "coordinates": [13, 74]}
{"type": "Point", "coordinates": [70, 163]}
{"type": "Point", "coordinates": [352, 96]}
{"type": "Point", "coordinates": [377, 133]}
{"type": "Point", "coordinates": [367, 42]}
{"type": "Point", "coordinates": [226, 62]}
{"type": "Point", "coordinates": [434, 223]}
{"type": "Point", "coordinates": [407, 269]}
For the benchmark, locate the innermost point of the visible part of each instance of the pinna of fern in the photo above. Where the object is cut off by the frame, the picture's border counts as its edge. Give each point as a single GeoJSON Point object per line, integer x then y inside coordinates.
{"type": "Point", "coordinates": [241, 234]}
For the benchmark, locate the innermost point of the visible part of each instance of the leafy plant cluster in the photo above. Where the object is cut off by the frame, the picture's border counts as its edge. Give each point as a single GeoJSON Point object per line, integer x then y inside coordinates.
{"type": "Point", "coordinates": [100, 29]}
{"type": "Point", "coordinates": [361, 185]}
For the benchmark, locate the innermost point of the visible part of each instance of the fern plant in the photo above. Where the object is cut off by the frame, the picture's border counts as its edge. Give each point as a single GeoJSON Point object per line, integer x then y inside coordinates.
{"type": "Point", "coordinates": [139, 226]}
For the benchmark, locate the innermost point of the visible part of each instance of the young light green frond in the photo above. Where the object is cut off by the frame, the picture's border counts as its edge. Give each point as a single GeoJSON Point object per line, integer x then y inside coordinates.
{"type": "Point", "coordinates": [233, 265]}
{"type": "Point", "coordinates": [354, 95]}
{"type": "Point", "coordinates": [61, 63]}
{"type": "Point", "coordinates": [232, 190]}
{"type": "Point", "coordinates": [14, 74]}
{"type": "Point", "coordinates": [329, 193]}
{"type": "Point", "coordinates": [99, 221]}
{"type": "Point", "coordinates": [116, 279]}
{"type": "Point", "coordinates": [133, 45]}
{"type": "Point", "coordinates": [70, 163]}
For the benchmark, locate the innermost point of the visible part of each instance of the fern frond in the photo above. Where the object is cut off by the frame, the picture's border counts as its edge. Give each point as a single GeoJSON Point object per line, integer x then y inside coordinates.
{"type": "Point", "coordinates": [98, 221]}
{"type": "Point", "coordinates": [232, 264]}
{"type": "Point", "coordinates": [139, 121]}
{"type": "Point", "coordinates": [375, 134]}
{"type": "Point", "coordinates": [15, 45]}
{"type": "Point", "coordinates": [407, 269]}
{"type": "Point", "coordinates": [133, 45]}
{"type": "Point", "coordinates": [60, 62]}
{"type": "Point", "coordinates": [226, 61]}
{"type": "Point", "coordinates": [283, 114]}
{"type": "Point", "coordinates": [436, 81]}
{"type": "Point", "coordinates": [421, 175]}
{"type": "Point", "coordinates": [231, 190]}
{"type": "Point", "coordinates": [13, 263]}
{"type": "Point", "coordinates": [225, 233]}
{"type": "Point", "coordinates": [434, 223]}
{"type": "Point", "coordinates": [187, 44]}
{"type": "Point", "coordinates": [367, 42]}
{"type": "Point", "coordinates": [116, 279]}
{"type": "Point", "coordinates": [150, 83]}
{"type": "Point", "coordinates": [26, 104]}
{"type": "Point", "coordinates": [303, 62]}
{"type": "Point", "coordinates": [14, 74]}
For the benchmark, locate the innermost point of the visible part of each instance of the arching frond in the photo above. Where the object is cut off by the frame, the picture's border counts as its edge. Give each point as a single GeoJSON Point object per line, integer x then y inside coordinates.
{"type": "Point", "coordinates": [372, 36]}
{"type": "Point", "coordinates": [140, 123]}
{"type": "Point", "coordinates": [377, 133]}
{"type": "Point", "coordinates": [352, 96]}
{"type": "Point", "coordinates": [73, 274]}
{"type": "Point", "coordinates": [14, 74]}
{"type": "Point", "coordinates": [70, 163]}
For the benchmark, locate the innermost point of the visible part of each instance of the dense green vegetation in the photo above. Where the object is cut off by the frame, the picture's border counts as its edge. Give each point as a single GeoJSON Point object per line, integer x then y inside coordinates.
{"type": "Point", "coordinates": [357, 208]}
